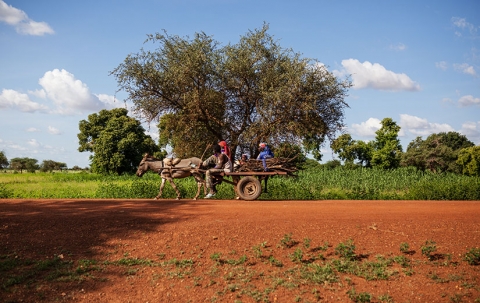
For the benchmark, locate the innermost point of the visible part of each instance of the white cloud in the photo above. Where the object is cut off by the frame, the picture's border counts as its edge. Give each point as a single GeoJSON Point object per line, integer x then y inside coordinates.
{"type": "Point", "coordinates": [468, 100]}
{"type": "Point", "coordinates": [39, 93]}
{"type": "Point", "coordinates": [368, 75]}
{"type": "Point", "coordinates": [12, 99]}
{"type": "Point", "coordinates": [32, 130]}
{"type": "Point", "coordinates": [472, 131]}
{"type": "Point", "coordinates": [33, 142]}
{"type": "Point", "coordinates": [54, 131]}
{"type": "Point", "coordinates": [465, 68]}
{"type": "Point", "coordinates": [421, 127]}
{"type": "Point", "coordinates": [367, 128]}
{"type": "Point", "coordinates": [463, 24]}
{"type": "Point", "coordinates": [398, 47]}
{"type": "Point", "coordinates": [70, 95]}
{"type": "Point", "coordinates": [19, 19]}
{"type": "Point", "coordinates": [441, 65]}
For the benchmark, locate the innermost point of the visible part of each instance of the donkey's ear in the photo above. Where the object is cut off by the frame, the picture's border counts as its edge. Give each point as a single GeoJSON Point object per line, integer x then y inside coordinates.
{"type": "Point", "coordinates": [146, 155]}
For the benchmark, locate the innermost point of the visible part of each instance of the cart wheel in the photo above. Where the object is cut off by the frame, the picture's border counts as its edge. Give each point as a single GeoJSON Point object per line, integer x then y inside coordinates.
{"type": "Point", "coordinates": [249, 188]}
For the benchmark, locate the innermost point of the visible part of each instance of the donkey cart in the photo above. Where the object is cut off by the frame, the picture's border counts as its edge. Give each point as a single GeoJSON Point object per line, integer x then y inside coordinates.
{"type": "Point", "coordinates": [247, 184]}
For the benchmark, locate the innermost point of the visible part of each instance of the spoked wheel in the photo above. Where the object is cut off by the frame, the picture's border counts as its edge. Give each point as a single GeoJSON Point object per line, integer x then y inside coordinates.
{"type": "Point", "coordinates": [249, 188]}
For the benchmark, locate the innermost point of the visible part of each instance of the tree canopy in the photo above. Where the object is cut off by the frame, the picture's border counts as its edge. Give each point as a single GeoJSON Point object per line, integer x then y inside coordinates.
{"type": "Point", "coordinates": [245, 93]}
{"type": "Point", "coordinates": [469, 160]}
{"type": "Point", "coordinates": [438, 153]}
{"type": "Point", "coordinates": [21, 164]}
{"type": "Point", "coordinates": [383, 152]}
{"type": "Point", "coordinates": [3, 160]}
{"type": "Point", "coordinates": [117, 141]}
{"type": "Point", "coordinates": [50, 165]}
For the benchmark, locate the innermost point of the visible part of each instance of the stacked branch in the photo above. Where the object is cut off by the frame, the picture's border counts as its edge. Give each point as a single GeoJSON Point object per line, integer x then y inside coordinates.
{"type": "Point", "coordinates": [273, 164]}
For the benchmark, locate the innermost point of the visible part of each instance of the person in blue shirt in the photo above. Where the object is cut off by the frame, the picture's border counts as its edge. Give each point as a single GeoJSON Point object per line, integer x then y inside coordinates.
{"type": "Point", "coordinates": [265, 153]}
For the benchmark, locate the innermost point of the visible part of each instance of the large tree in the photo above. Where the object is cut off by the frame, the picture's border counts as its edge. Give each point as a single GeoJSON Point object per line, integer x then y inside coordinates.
{"type": "Point", "coordinates": [350, 150]}
{"type": "Point", "coordinates": [469, 160]}
{"type": "Point", "coordinates": [20, 164]}
{"type": "Point", "coordinates": [50, 165]}
{"type": "Point", "coordinates": [116, 140]}
{"type": "Point", "coordinates": [3, 160]}
{"type": "Point", "coordinates": [437, 153]}
{"type": "Point", "coordinates": [244, 93]}
{"type": "Point", "coordinates": [387, 150]}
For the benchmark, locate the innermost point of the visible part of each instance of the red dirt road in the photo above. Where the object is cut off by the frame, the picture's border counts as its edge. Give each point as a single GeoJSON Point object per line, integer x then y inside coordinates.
{"type": "Point", "coordinates": [231, 251]}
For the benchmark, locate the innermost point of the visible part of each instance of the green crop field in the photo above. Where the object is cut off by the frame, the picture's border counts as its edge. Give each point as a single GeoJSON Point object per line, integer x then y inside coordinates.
{"type": "Point", "coordinates": [311, 184]}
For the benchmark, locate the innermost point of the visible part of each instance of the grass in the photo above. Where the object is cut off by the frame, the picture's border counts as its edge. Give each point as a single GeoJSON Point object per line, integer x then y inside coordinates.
{"type": "Point", "coordinates": [311, 184]}
{"type": "Point", "coordinates": [307, 278]}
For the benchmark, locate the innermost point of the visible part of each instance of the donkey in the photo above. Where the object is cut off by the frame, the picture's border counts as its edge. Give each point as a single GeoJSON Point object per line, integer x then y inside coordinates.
{"type": "Point", "coordinates": [184, 168]}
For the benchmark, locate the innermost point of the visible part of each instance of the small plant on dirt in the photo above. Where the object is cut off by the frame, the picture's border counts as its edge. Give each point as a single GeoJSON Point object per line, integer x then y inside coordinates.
{"type": "Point", "coordinates": [257, 251]}
{"type": "Point", "coordinates": [429, 248]}
{"type": "Point", "coordinates": [362, 297]}
{"type": "Point", "coordinates": [306, 242]}
{"type": "Point", "coordinates": [346, 250]}
{"type": "Point", "coordinates": [216, 257]}
{"type": "Point", "coordinates": [287, 241]}
{"type": "Point", "coordinates": [404, 248]}
{"type": "Point", "coordinates": [275, 262]}
{"type": "Point", "coordinates": [473, 256]}
{"type": "Point", "coordinates": [385, 298]}
{"type": "Point", "coordinates": [402, 261]}
{"type": "Point", "coordinates": [297, 256]}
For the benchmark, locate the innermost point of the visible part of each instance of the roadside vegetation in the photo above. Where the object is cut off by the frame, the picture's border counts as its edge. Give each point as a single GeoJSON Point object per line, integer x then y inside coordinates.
{"type": "Point", "coordinates": [317, 182]}
{"type": "Point", "coordinates": [308, 270]}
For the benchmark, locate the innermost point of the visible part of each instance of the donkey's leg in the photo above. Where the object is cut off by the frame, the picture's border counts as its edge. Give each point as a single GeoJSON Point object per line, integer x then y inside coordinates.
{"type": "Point", "coordinates": [174, 187]}
{"type": "Point", "coordinates": [200, 182]}
{"type": "Point", "coordinates": [161, 189]}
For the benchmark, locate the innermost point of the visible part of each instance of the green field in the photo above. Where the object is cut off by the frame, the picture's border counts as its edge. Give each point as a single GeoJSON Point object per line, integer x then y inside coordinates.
{"type": "Point", "coordinates": [311, 184]}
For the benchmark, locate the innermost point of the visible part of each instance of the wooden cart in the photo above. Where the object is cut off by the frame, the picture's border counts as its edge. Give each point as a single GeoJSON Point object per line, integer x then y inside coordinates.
{"type": "Point", "coordinates": [247, 184]}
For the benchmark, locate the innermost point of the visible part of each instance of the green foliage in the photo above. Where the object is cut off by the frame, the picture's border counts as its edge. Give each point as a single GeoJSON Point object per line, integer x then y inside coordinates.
{"type": "Point", "coordinates": [387, 148]}
{"type": "Point", "coordinates": [473, 256]}
{"type": "Point", "coordinates": [438, 153]}
{"type": "Point", "coordinates": [3, 160]}
{"type": "Point", "coordinates": [244, 92]}
{"type": "Point", "coordinates": [362, 297]}
{"type": "Point", "coordinates": [117, 141]}
{"type": "Point", "coordinates": [316, 183]}
{"type": "Point", "coordinates": [350, 150]}
{"type": "Point", "coordinates": [428, 248]}
{"type": "Point", "coordinates": [404, 247]}
{"type": "Point", "coordinates": [469, 161]}
{"type": "Point", "coordinates": [346, 250]}
{"type": "Point", "coordinates": [21, 164]}
{"type": "Point", "coordinates": [50, 165]}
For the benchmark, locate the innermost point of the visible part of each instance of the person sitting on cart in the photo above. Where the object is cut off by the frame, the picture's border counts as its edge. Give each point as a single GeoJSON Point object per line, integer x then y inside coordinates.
{"type": "Point", "coordinates": [221, 163]}
{"type": "Point", "coordinates": [225, 148]}
{"type": "Point", "coordinates": [265, 153]}
{"type": "Point", "coordinates": [239, 163]}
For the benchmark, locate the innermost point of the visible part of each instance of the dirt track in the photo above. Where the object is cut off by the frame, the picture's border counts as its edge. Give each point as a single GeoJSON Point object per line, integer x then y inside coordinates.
{"type": "Point", "coordinates": [169, 231]}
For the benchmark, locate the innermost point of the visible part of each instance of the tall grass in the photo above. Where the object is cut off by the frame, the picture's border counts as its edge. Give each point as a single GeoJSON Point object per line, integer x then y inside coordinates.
{"type": "Point", "coordinates": [311, 184]}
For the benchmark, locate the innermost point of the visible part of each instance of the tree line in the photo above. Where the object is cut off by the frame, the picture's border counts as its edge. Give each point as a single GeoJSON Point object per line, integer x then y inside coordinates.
{"type": "Point", "coordinates": [440, 152]}
{"type": "Point", "coordinates": [30, 164]}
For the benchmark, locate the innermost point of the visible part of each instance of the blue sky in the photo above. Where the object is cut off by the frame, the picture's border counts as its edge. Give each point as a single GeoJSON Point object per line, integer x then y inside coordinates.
{"type": "Point", "coordinates": [417, 62]}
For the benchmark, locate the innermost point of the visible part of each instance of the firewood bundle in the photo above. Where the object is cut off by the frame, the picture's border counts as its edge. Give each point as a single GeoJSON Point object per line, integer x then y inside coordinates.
{"type": "Point", "coordinates": [273, 164]}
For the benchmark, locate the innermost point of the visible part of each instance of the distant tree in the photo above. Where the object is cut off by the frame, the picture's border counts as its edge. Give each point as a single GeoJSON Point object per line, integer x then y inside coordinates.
{"type": "Point", "coordinates": [245, 93]}
{"type": "Point", "coordinates": [387, 150]}
{"type": "Point", "coordinates": [469, 160]}
{"type": "Point", "coordinates": [117, 141]}
{"type": "Point", "coordinates": [50, 165]}
{"type": "Point", "coordinates": [21, 164]}
{"type": "Point", "coordinates": [3, 160]}
{"type": "Point", "coordinates": [438, 153]}
{"type": "Point", "coordinates": [350, 150]}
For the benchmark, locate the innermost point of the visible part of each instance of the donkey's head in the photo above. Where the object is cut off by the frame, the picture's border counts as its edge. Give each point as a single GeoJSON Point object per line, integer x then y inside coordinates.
{"type": "Point", "coordinates": [144, 165]}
